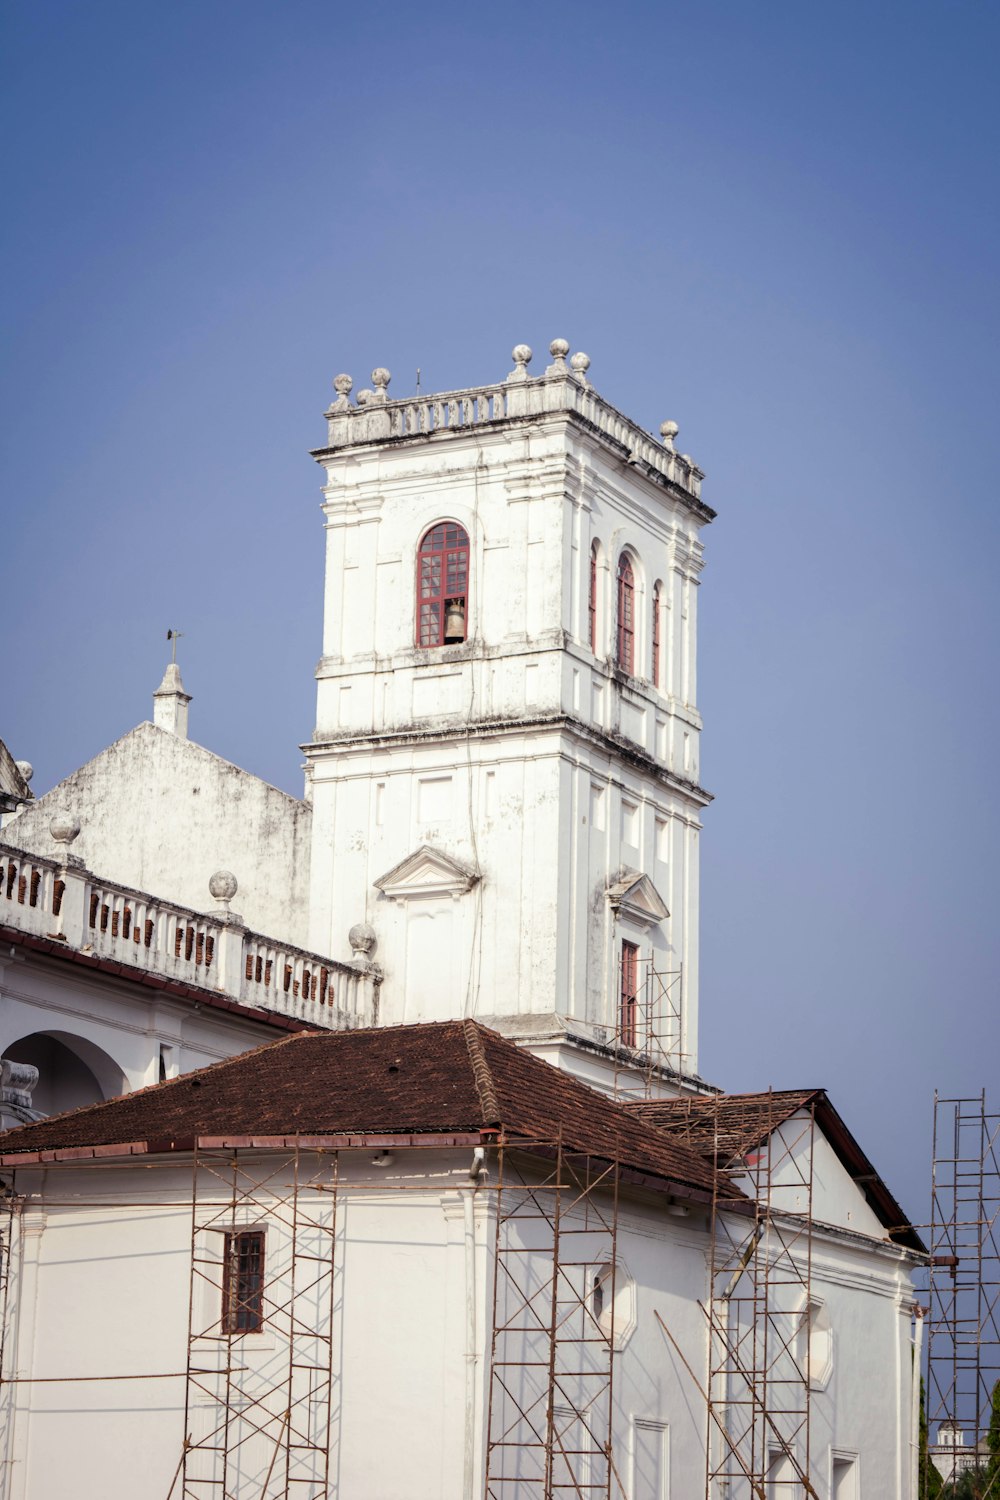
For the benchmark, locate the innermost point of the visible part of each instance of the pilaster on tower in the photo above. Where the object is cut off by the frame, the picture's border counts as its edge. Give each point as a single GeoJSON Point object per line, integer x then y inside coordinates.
{"type": "Point", "coordinates": [504, 768]}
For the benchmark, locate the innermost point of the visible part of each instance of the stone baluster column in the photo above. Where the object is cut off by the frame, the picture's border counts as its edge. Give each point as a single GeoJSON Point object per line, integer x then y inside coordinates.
{"type": "Point", "coordinates": [70, 926]}
{"type": "Point", "coordinates": [228, 965]}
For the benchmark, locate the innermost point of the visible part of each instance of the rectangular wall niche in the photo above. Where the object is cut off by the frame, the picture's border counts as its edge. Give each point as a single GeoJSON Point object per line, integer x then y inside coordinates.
{"type": "Point", "coordinates": [630, 825]}
{"type": "Point", "coordinates": [434, 799]}
{"type": "Point", "coordinates": [649, 1460]}
{"type": "Point", "coordinates": [437, 693]}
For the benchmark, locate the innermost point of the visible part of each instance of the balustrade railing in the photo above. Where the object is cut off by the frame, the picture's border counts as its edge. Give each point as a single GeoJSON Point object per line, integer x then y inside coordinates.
{"type": "Point", "coordinates": [456, 410]}
{"type": "Point", "coordinates": [64, 902]}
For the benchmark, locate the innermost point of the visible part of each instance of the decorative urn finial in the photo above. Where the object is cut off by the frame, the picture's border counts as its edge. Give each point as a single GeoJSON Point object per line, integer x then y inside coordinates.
{"type": "Point", "coordinates": [380, 380]}
{"type": "Point", "coordinates": [362, 939]}
{"type": "Point", "coordinates": [521, 355]}
{"type": "Point", "coordinates": [580, 364]}
{"type": "Point", "coordinates": [343, 385]}
{"type": "Point", "coordinates": [668, 431]}
{"type": "Point", "coordinates": [64, 828]}
{"type": "Point", "coordinates": [559, 348]}
{"type": "Point", "coordinates": [223, 886]}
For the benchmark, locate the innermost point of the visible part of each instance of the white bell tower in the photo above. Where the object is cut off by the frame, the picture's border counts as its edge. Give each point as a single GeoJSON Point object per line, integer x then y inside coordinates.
{"type": "Point", "coordinates": [504, 769]}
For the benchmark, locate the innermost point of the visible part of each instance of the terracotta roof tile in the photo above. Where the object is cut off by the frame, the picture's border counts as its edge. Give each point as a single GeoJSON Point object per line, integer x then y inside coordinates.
{"type": "Point", "coordinates": [723, 1129]}
{"type": "Point", "coordinates": [441, 1079]}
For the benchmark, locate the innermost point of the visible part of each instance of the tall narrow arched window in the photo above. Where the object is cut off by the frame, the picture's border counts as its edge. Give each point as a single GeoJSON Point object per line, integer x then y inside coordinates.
{"type": "Point", "coordinates": [443, 585]}
{"type": "Point", "coordinates": [656, 635]}
{"type": "Point", "coordinates": [592, 607]}
{"type": "Point", "coordinates": [626, 615]}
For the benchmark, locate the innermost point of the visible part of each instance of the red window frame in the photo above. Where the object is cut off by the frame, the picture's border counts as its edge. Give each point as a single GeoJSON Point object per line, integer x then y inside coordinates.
{"type": "Point", "coordinates": [626, 615]}
{"type": "Point", "coordinates": [628, 1000]}
{"type": "Point", "coordinates": [442, 579]}
{"type": "Point", "coordinates": [656, 636]}
{"type": "Point", "coordinates": [243, 1281]}
{"type": "Point", "coordinates": [593, 598]}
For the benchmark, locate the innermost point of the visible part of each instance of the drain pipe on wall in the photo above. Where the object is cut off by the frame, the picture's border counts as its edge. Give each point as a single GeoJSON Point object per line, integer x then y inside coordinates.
{"type": "Point", "coordinates": [471, 1356]}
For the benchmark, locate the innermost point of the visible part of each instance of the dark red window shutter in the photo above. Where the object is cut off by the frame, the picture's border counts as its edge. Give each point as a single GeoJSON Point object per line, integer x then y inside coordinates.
{"type": "Point", "coordinates": [442, 585]}
{"type": "Point", "coordinates": [626, 616]}
{"type": "Point", "coordinates": [593, 598]}
{"type": "Point", "coordinates": [629, 998]}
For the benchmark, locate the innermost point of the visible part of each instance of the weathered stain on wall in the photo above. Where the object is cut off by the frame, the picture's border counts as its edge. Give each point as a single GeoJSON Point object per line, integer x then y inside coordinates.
{"type": "Point", "coordinates": [161, 814]}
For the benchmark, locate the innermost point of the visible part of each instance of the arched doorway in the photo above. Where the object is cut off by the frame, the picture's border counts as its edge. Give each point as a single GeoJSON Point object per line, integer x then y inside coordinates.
{"type": "Point", "coordinates": [71, 1070]}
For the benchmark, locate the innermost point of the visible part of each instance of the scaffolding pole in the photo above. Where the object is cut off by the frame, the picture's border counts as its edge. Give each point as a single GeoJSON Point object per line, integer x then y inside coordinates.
{"type": "Point", "coordinates": [259, 1388]}
{"type": "Point", "coordinates": [550, 1429]}
{"type": "Point", "coordinates": [760, 1314]}
{"type": "Point", "coordinates": [648, 1033]}
{"type": "Point", "coordinates": [963, 1326]}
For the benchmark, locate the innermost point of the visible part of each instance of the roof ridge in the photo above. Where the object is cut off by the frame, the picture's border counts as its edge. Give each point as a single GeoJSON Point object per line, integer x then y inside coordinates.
{"type": "Point", "coordinates": [481, 1073]}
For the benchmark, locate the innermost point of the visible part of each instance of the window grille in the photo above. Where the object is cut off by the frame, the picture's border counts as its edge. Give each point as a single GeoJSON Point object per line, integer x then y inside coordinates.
{"type": "Point", "coordinates": [443, 585]}
{"type": "Point", "coordinates": [243, 1282]}
{"type": "Point", "coordinates": [626, 616]}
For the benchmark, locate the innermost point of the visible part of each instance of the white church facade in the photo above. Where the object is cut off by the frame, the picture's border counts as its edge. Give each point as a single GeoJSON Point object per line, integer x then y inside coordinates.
{"type": "Point", "coordinates": [351, 1071]}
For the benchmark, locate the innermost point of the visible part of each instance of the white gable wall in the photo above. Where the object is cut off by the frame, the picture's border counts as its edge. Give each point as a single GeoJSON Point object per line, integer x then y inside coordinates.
{"type": "Point", "coordinates": [836, 1198]}
{"type": "Point", "coordinates": [162, 814]}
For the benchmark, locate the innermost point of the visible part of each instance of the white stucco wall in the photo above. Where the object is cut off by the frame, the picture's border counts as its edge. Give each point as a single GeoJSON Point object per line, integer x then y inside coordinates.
{"type": "Point", "coordinates": [457, 747]}
{"type": "Point", "coordinates": [116, 1029]}
{"type": "Point", "coordinates": [100, 1285]}
{"type": "Point", "coordinates": [162, 814]}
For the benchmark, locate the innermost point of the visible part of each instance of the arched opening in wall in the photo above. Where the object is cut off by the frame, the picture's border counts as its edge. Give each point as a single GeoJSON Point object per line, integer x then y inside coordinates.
{"type": "Point", "coordinates": [626, 615]}
{"type": "Point", "coordinates": [71, 1070]}
{"type": "Point", "coordinates": [443, 585]}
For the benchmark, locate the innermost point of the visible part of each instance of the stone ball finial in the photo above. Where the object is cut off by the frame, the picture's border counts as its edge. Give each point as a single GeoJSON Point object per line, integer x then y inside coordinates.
{"type": "Point", "coordinates": [580, 364]}
{"type": "Point", "coordinates": [380, 380]}
{"type": "Point", "coordinates": [64, 828]}
{"type": "Point", "coordinates": [364, 396]}
{"type": "Point", "coordinates": [559, 348]}
{"type": "Point", "coordinates": [521, 355]}
{"type": "Point", "coordinates": [343, 385]}
{"type": "Point", "coordinates": [223, 885]}
{"type": "Point", "coordinates": [362, 939]}
{"type": "Point", "coordinates": [26, 769]}
{"type": "Point", "coordinates": [668, 431]}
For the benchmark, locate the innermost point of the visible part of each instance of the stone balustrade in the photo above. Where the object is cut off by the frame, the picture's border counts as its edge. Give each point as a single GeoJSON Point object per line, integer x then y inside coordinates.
{"type": "Point", "coordinates": [376, 418]}
{"type": "Point", "coordinates": [63, 901]}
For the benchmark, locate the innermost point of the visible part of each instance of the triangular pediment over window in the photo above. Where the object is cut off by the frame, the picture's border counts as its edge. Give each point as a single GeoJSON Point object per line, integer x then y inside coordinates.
{"type": "Point", "coordinates": [634, 896]}
{"type": "Point", "coordinates": [427, 872]}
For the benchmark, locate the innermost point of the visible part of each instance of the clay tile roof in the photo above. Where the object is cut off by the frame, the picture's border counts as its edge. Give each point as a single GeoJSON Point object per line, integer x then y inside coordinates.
{"type": "Point", "coordinates": [725, 1128]}
{"type": "Point", "coordinates": [447, 1079]}
{"type": "Point", "coordinates": [729, 1125]}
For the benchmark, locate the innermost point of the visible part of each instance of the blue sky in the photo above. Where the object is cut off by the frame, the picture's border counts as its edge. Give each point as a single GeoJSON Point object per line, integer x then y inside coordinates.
{"type": "Point", "coordinates": [775, 224]}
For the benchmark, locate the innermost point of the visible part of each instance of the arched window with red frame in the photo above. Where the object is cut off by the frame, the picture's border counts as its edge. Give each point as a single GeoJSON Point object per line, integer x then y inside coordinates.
{"type": "Point", "coordinates": [626, 615]}
{"type": "Point", "coordinates": [656, 635]}
{"type": "Point", "coordinates": [443, 585]}
{"type": "Point", "coordinates": [592, 607]}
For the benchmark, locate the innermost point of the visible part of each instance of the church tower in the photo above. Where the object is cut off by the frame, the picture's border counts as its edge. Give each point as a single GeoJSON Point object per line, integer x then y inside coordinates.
{"type": "Point", "coordinates": [504, 769]}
